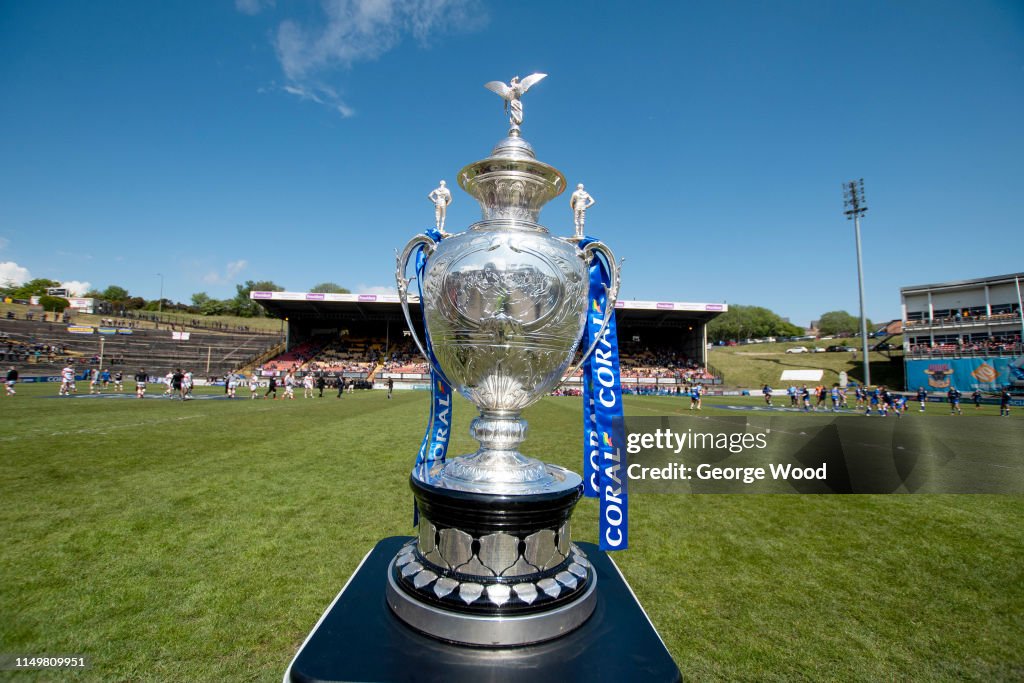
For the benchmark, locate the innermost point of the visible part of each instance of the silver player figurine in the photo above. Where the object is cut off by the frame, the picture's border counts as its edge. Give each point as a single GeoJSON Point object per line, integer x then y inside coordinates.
{"type": "Point", "coordinates": [512, 93]}
{"type": "Point", "coordinates": [580, 202]}
{"type": "Point", "coordinates": [442, 197]}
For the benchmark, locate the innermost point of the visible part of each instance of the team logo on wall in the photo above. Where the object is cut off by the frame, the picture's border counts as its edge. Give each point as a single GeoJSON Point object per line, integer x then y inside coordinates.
{"type": "Point", "coordinates": [938, 375]}
{"type": "Point", "coordinates": [985, 373]}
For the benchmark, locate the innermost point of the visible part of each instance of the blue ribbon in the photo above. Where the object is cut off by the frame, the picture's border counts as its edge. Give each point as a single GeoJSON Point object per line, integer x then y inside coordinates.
{"type": "Point", "coordinates": [604, 458]}
{"type": "Point", "coordinates": [434, 447]}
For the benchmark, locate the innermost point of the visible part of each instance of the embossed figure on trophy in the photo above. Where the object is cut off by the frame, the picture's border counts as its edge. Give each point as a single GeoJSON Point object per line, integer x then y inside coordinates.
{"type": "Point", "coordinates": [512, 93]}
{"type": "Point", "coordinates": [442, 197]}
{"type": "Point", "coordinates": [580, 202]}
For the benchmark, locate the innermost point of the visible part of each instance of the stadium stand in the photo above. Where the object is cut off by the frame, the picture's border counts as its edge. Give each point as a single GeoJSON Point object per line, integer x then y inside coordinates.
{"type": "Point", "coordinates": [369, 338]}
{"type": "Point", "coordinates": [45, 347]}
{"type": "Point", "coordinates": [992, 346]}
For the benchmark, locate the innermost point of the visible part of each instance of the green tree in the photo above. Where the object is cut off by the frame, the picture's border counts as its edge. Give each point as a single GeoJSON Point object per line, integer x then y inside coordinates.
{"type": "Point", "coordinates": [35, 287]}
{"type": "Point", "coordinates": [154, 305]}
{"type": "Point", "coordinates": [790, 330]}
{"type": "Point", "coordinates": [839, 324]}
{"type": "Point", "coordinates": [748, 322]}
{"type": "Point", "coordinates": [243, 306]}
{"type": "Point", "coordinates": [215, 307]}
{"type": "Point", "coordinates": [203, 304]}
{"type": "Point", "coordinates": [330, 288]}
{"type": "Point", "coordinates": [114, 294]}
{"type": "Point", "coordinates": [53, 303]}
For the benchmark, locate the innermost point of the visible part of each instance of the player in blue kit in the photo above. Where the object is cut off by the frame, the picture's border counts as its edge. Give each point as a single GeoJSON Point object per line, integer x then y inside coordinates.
{"type": "Point", "coordinates": [900, 405]}
{"type": "Point", "coordinates": [922, 397]}
{"type": "Point", "coordinates": [954, 401]}
{"type": "Point", "coordinates": [872, 401]}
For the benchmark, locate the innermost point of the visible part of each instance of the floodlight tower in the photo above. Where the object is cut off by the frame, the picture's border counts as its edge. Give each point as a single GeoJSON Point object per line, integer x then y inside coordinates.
{"type": "Point", "coordinates": [853, 200]}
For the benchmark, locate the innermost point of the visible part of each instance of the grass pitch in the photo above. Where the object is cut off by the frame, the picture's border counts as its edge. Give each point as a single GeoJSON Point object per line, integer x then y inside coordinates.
{"type": "Point", "coordinates": [202, 540]}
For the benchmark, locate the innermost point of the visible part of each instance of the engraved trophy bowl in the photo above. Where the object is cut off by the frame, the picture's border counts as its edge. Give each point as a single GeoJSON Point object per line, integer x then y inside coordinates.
{"type": "Point", "coordinates": [504, 306]}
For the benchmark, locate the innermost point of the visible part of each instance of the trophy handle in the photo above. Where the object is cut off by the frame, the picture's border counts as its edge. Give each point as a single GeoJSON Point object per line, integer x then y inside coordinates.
{"type": "Point", "coordinates": [403, 288]}
{"type": "Point", "coordinates": [611, 296]}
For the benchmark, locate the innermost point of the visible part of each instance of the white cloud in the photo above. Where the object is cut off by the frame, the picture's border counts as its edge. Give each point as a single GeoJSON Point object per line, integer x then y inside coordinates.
{"type": "Point", "coordinates": [321, 94]}
{"type": "Point", "coordinates": [231, 270]}
{"type": "Point", "coordinates": [375, 289]}
{"type": "Point", "coordinates": [358, 31]}
{"type": "Point", "coordinates": [235, 267]}
{"type": "Point", "coordinates": [12, 272]}
{"type": "Point", "coordinates": [253, 7]}
{"type": "Point", "coordinates": [76, 288]}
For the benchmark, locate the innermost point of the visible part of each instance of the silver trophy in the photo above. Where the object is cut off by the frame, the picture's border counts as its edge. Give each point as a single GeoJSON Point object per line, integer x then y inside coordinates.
{"type": "Point", "coordinates": [504, 306]}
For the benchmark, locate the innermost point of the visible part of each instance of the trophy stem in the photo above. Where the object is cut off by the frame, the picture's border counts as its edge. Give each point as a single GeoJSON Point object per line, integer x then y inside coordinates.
{"type": "Point", "coordinates": [497, 465]}
{"type": "Point", "coordinates": [499, 431]}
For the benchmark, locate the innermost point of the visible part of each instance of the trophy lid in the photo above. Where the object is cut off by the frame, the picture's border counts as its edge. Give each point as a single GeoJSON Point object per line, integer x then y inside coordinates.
{"type": "Point", "coordinates": [511, 184]}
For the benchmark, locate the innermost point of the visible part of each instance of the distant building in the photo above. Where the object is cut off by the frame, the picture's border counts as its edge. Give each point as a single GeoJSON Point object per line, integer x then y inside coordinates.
{"type": "Point", "coordinates": [964, 333]}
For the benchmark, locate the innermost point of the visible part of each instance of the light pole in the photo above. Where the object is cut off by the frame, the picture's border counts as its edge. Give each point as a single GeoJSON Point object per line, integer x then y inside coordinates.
{"type": "Point", "coordinates": [853, 200]}
{"type": "Point", "coordinates": [160, 303]}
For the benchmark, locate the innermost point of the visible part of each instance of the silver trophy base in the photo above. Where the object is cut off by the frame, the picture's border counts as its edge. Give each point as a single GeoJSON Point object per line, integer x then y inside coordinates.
{"type": "Point", "coordinates": [489, 631]}
{"type": "Point", "coordinates": [493, 569]}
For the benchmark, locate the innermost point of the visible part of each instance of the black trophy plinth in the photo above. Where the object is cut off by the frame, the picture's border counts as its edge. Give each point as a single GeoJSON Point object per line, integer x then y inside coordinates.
{"type": "Point", "coordinates": [359, 639]}
{"type": "Point", "coordinates": [493, 569]}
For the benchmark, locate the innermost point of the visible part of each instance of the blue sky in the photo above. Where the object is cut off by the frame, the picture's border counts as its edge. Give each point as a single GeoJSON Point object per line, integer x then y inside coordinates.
{"type": "Point", "coordinates": [216, 142]}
